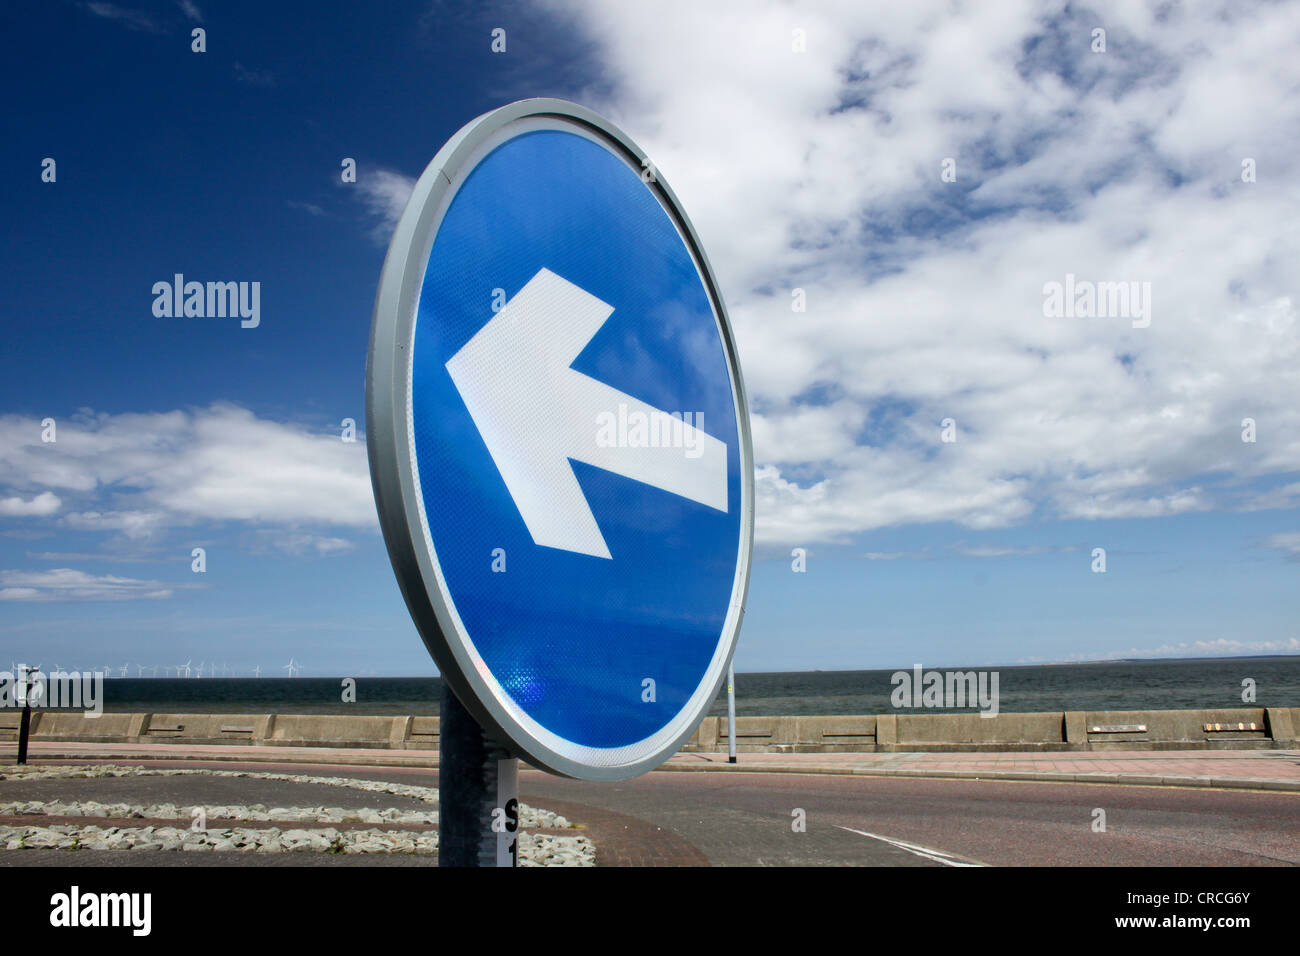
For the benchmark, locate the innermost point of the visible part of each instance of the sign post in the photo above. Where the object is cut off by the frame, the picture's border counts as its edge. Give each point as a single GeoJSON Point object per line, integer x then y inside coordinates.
{"type": "Point", "coordinates": [478, 792]}
{"type": "Point", "coordinates": [24, 689]}
{"type": "Point", "coordinates": [560, 453]}
{"type": "Point", "coordinates": [731, 714]}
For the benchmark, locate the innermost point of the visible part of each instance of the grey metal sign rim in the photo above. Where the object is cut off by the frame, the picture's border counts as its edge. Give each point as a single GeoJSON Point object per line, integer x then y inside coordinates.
{"type": "Point", "coordinates": [394, 472]}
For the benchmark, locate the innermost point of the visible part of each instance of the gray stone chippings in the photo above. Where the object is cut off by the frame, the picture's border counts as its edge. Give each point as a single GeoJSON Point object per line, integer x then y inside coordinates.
{"type": "Point", "coordinates": [534, 849]}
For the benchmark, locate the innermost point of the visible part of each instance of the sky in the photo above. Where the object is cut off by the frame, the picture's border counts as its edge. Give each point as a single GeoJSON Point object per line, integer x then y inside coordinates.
{"type": "Point", "coordinates": [887, 193]}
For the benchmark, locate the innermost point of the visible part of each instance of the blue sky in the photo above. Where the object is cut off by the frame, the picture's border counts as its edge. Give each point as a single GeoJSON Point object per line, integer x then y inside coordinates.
{"type": "Point", "coordinates": [817, 170]}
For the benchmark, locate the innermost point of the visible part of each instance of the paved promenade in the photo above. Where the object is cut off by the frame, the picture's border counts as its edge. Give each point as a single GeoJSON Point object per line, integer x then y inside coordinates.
{"type": "Point", "coordinates": [1219, 769]}
{"type": "Point", "coordinates": [1227, 769]}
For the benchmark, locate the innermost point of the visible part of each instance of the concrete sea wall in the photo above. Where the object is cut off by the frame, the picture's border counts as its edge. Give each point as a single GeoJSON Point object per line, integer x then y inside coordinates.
{"type": "Point", "coordinates": [1247, 728]}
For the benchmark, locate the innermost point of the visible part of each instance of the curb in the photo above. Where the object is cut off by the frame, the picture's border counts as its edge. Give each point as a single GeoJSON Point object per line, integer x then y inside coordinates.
{"type": "Point", "coordinates": [388, 758]}
{"type": "Point", "coordinates": [380, 758]}
{"type": "Point", "coordinates": [1023, 776]}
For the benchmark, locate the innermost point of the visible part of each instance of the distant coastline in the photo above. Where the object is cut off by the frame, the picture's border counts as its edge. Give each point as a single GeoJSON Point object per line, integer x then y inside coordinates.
{"type": "Point", "coordinates": [1105, 660]}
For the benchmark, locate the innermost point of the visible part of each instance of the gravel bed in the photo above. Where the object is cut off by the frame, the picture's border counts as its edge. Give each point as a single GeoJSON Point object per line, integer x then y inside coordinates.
{"type": "Point", "coordinates": [534, 849]}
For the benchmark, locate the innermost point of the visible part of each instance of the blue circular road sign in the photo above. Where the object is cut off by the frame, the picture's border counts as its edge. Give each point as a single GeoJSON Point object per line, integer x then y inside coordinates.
{"type": "Point", "coordinates": [559, 441]}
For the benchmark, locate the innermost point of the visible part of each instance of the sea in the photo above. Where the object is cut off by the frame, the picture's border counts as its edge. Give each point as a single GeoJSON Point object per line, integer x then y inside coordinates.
{"type": "Point", "coordinates": [1108, 685]}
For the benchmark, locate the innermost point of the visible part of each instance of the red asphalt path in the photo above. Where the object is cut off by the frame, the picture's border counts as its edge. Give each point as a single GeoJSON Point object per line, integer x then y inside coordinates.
{"type": "Point", "coordinates": [1220, 769]}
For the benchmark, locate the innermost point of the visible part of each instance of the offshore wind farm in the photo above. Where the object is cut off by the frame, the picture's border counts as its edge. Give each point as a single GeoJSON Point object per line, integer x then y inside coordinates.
{"type": "Point", "coordinates": [1091, 686]}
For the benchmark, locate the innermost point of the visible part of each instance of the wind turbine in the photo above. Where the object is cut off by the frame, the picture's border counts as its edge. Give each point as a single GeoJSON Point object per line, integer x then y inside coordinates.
{"type": "Point", "coordinates": [291, 666]}
{"type": "Point", "coordinates": [124, 667]}
{"type": "Point", "coordinates": [185, 667]}
{"type": "Point", "coordinates": [35, 689]}
{"type": "Point", "coordinates": [200, 670]}
{"type": "Point", "coordinates": [257, 671]}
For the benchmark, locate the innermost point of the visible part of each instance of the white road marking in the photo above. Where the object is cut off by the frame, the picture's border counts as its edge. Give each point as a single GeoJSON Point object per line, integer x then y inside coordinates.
{"type": "Point", "coordinates": [937, 855]}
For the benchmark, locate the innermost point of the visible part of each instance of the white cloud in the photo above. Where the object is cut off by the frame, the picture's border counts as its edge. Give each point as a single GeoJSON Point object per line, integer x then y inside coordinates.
{"type": "Point", "coordinates": [1219, 647]}
{"type": "Point", "coordinates": [115, 556]}
{"type": "Point", "coordinates": [1288, 541]}
{"type": "Point", "coordinates": [821, 171]}
{"type": "Point", "coordinates": [310, 208]}
{"type": "Point", "coordinates": [191, 10]}
{"type": "Point", "coordinates": [1001, 551]}
{"type": "Point", "coordinates": [1288, 496]}
{"type": "Point", "coordinates": [132, 19]}
{"type": "Point", "coordinates": [384, 193]}
{"type": "Point", "coordinates": [137, 474]}
{"type": "Point", "coordinates": [41, 505]}
{"type": "Point", "coordinates": [300, 543]}
{"type": "Point", "coordinates": [134, 525]}
{"type": "Point", "coordinates": [67, 584]}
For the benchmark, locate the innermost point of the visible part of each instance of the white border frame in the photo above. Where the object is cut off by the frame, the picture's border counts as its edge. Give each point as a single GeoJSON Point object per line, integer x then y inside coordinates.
{"type": "Point", "coordinates": [394, 471]}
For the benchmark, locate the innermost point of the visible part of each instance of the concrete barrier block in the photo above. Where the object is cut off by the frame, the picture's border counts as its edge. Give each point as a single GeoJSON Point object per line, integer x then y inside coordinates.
{"type": "Point", "coordinates": [1281, 726]}
{"type": "Point", "coordinates": [265, 728]}
{"type": "Point", "coordinates": [706, 736]}
{"type": "Point", "coordinates": [846, 734]}
{"type": "Point", "coordinates": [692, 743]}
{"type": "Point", "coordinates": [753, 734]}
{"type": "Point", "coordinates": [784, 734]}
{"type": "Point", "coordinates": [197, 728]}
{"type": "Point", "coordinates": [1074, 727]}
{"type": "Point", "coordinates": [401, 730]}
{"type": "Point", "coordinates": [1173, 726]}
{"type": "Point", "coordinates": [10, 726]}
{"type": "Point", "coordinates": [887, 730]}
{"type": "Point", "coordinates": [424, 733]}
{"type": "Point", "coordinates": [331, 730]}
{"type": "Point", "coordinates": [975, 729]}
{"type": "Point", "coordinates": [163, 725]}
{"type": "Point", "coordinates": [80, 726]}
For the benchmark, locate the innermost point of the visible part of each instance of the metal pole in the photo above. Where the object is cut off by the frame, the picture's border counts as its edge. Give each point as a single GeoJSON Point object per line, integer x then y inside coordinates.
{"type": "Point", "coordinates": [25, 721]}
{"type": "Point", "coordinates": [731, 713]}
{"type": "Point", "coordinates": [24, 728]}
{"type": "Point", "coordinates": [478, 792]}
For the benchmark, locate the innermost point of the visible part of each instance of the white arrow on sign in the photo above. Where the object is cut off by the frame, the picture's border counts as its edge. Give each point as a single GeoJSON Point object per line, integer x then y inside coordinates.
{"type": "Point", "coordinates": [535, 413]}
